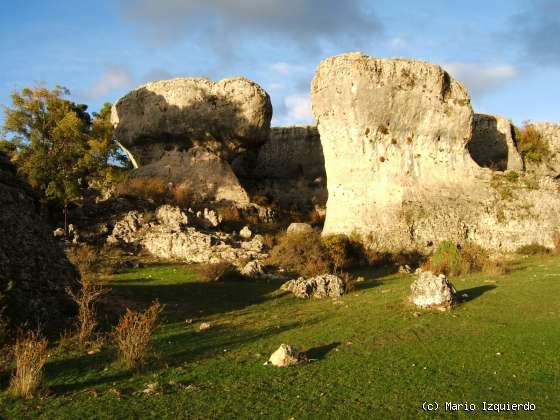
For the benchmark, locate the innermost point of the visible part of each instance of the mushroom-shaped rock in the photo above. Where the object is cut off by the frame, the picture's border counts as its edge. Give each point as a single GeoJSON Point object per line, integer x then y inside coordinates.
{"type": "Point", "coordinates": [225, 117]}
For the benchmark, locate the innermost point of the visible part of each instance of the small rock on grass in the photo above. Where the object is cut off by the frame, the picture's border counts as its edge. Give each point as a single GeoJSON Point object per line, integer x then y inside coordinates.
{"type": "Point", "coordinates": [205, 326]}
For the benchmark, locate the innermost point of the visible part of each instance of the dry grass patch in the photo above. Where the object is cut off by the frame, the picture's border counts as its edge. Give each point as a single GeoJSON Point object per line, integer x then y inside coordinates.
{"type": "Point", "coordinates": [30, 352]}
{"type": "Point", "coordinates": [222, 271]}
{"type": "Point", "coordinates": [152, 188]}
{"type": "Point", "coordinates": [533, 249]}
{"type": "Point", "coordinates": [133, 335]}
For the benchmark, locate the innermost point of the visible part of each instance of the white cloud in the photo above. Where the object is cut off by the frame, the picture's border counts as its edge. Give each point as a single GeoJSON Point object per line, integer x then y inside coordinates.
{"type": "Point", "coordinates": [298, 109]}
{"type": "Point", "coordinates": [397, 42]}
{"type": "Point", "coordinates": [481, 79]}
{"type": "Point", "coordinates": [115, 77]}
{"type": "Point", "coordinates": [287, 68]}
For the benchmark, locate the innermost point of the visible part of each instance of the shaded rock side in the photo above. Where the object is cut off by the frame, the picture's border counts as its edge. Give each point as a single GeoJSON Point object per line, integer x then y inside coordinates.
{"type": "Point", "coordinates": [198, 173]}
{"type": "Point", "coordinates": [30, 257]}
{"type": "Point", "coordinates": [225, 117]}
{"type": "Point", "coordinates": [493, 144]}
{"type": "Point", "coordinates": [395, 136]}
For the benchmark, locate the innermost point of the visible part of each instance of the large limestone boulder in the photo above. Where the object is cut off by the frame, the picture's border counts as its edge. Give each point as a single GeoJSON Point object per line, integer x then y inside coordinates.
{"type": "Point", "coordinates": [30, 257]}
{"type": "Point", "coordinates": [493, 144]}
{"type": "Point", "coordinates": [432, 292]}
{"type": "Point", "coordinates": [550, 164]}
{"type": "Point", "coordinates": [225, 117]}
{"type": "Point", "coordinates": [395, 136]}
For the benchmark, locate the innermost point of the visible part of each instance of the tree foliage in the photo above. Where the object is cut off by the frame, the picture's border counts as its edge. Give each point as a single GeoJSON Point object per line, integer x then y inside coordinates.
{"type": "Point", "coordinates": [58, 145]}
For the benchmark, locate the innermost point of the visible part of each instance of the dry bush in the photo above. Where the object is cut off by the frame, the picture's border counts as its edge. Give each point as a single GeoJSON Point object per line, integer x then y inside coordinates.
{"type": "Point", "coordinates": [531, 144]}
{"type": "Point", "coordinates": [152, 188]}
{"type": "Point", "coordinates": [556, 240]}
{"type": "Point", "coordinates": [133, 334]}
{"type": "Point", "coordinates": [85, 257]}
{"type": "Point", "coordinates": [340, 251]}
{"type": "Point", "coordinates": [301, 253]}
{"type": "Point", "coordinates": [533, 249]}
{"type": "Point", "coordinates": [349, 282]}
{"type": "Point", "coordinates": [497, 266]}
{"type": "Point", "coordinates": [86, 298]}
{"type": "Point", "coordinates": [182, 195]}
{"type": "Point", "coordinates": [222, 271]}
{"type": "Point", "coordinates": [30, 352]}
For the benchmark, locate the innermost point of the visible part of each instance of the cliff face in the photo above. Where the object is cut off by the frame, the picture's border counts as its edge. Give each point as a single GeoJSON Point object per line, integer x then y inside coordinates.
{"type": "Point", "coordinates": [29, 257]}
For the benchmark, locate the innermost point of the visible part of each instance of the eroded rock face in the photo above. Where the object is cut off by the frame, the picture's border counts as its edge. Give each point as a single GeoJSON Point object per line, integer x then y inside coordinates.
{"type": "Point", "coordinates": [395, 136]}
{"type": "Point", "coordinates": [225, 117]}
{"type": "Point", "coordinates": [432, 292]}
{"type": "Point", "coordinates": [493, 144]}
{"type": "Point", "coordinates": [550, 164]}
{"type": "Point", "coordinates": [29, 256]}
{"type": "Point", "coordinates": [319, 287]}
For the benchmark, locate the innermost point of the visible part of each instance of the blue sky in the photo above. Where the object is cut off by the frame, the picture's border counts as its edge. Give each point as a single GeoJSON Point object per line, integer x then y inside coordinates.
{"type": "Point", "coordinates": [507, 52]}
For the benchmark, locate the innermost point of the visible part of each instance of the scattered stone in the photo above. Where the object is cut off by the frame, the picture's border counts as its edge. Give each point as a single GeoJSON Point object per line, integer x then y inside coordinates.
{"type": "Point", "coordinates": [432, 292]}
{"type": "Point", "coordinates": [252, 269]}
{"type": "Point", "coordinates": [58, 233]}
{"type": "Point", "coordinates": [286, 355]}
{"type": "Point", "coordinates": [151, 389]}
{"type": "Point", "coordinates": [189, 321]}
{"type": "Point", "coordinates": [405, 269]}
{"type": "Point", "coordinates": [245, 233]}
{"type": "Point", "coordinates": [299, 228]}
{"type": "Point", "coordinates": [326, 285]}
{"type": "Point", "coordinates": [205, 326]}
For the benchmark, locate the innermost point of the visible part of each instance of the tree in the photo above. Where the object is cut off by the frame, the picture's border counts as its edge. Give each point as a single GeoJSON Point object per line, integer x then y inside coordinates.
{"type": "Point", "coordinates": [58, 146]}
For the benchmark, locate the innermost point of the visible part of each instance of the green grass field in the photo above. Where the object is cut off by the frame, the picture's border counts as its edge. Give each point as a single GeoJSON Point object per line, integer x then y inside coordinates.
{"type": "Point", "coordinates": [375, 356]}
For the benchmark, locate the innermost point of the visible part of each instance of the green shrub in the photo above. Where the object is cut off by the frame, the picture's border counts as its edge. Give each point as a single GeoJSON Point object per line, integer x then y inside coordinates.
{"type": "Point", "coordinates": [533, 249]}
{"type": "Point", "coordinates": [451, 260]}
{"type": "Point", "coordinates": [339, 251]}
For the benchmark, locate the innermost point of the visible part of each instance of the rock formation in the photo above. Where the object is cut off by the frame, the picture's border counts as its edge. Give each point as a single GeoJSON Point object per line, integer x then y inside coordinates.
{"type": "Point", "coordinates": [493, 144]}
{"type": "Point", "coordinates": [285, 355]}
{"type": "Point", "coordinates": [395, 136]}
{"type": "Point", "coordinates": [30, 258]}
{"type": "Point", "coordinates": [185, 130]}
{"type": "Point", "coordinates": [432, 292]}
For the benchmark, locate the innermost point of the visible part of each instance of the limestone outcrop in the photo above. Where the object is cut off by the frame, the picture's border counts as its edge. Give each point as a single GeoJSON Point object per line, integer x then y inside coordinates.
{"type": "Point", "coordinates": [493, 143]}
{"type": "Point", "coordinates": [319, 287]}
{"type": "Point", "coordinates": [289, 168]}
{"type": "Point", "coordinates": [170, 235]}
{"type": "Point", "coordinates": [395, 136]}
{"type": "Point", "coordinates": [30, 257]}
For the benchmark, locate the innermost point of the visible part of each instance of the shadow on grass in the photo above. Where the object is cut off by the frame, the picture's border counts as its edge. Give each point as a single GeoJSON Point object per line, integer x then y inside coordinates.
{"type": "Point", "coordinates": [193, 299]}
{"type": "Point", "coordinates": [474, 292]}
{"type": "Point", "coordinates": [320, 352]}
{"type": "Point", "coordinates": [85, 371]}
